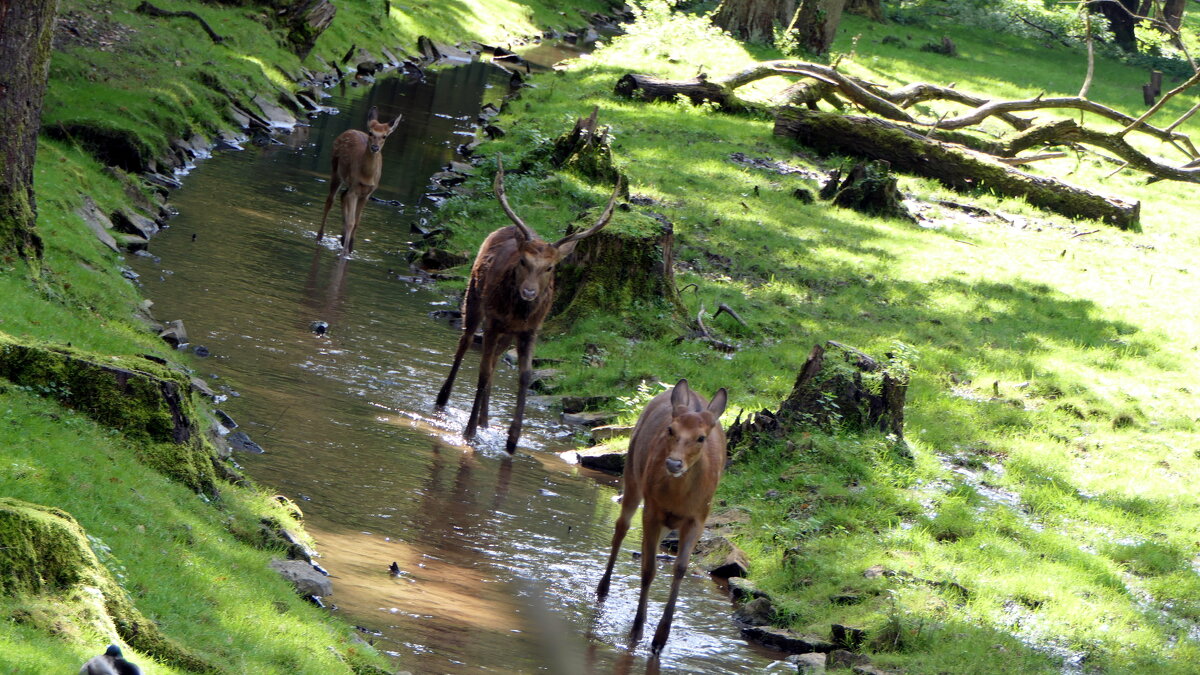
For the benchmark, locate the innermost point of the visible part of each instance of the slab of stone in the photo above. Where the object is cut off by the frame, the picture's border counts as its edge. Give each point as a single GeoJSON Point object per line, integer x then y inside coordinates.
{"type": "Point", "coordinates": [598, 459]}
{"type": "Point", "coordinates": [808, 664]}
{"type": "Point", "coordinates": [721, 557]}
{"type": "Point", "coordinates": [588, 419]}
{"type": "Point", "coordinates": [307, 580]}
{"type": "Point", "coordinates": [757, 612]}
{"type": "Point", "coordinates": [98, 223]}
{"type": "Point", "coordinates": [841, 658]}
{"type": "Point", "coordinates": [607, 432]}
{"type": "Point", "coordinates": [847, 637]}
{"type": "Point", "coordinates": [742, 589]}
{"type": "Point", "coordinates": [786, 640]}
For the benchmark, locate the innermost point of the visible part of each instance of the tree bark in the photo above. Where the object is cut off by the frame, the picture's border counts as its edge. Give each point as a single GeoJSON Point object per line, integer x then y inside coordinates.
{"type": "Point", "coordinates": [25, 32]}
{"type": "Point", "coordinates": [649, 88]}
{"type": "Point", "coordinates": [1173, 12]}
{"type": "Point", "coordinates": [754, 20]}
{"type": "Point", "coordinates": [955, 167]}
{"type": "Point", "coordinates": [871, 9]}
{"type": "Point", "coordinates": [816, 24]}
{"type": "Point", "coordinates": [1122, 20]}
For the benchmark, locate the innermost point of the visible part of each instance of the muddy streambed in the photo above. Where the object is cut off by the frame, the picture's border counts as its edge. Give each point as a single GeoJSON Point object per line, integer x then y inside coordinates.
{"type": "Point", "coordinates": [498, 557]}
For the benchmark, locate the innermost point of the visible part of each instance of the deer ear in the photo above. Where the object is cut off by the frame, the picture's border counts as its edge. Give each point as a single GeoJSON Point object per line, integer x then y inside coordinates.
{"type": "Point", "coordinates": [717, 405]}
{"type": "Point", "coordinates": [395, 123]}
{"type": "Point", "coordinates": [680, 397]}
{"type": "Point", "coordinates": [372, 114]}
{"type": "Point", "coordinates": [565, 250]}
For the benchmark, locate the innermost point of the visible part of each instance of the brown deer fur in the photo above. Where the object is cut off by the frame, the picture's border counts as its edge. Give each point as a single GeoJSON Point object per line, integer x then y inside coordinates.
{"type": "Point", "coordinates": [357, 165]}
{"type": "Point", "coordinates": [509, 293]}
{"type": "Point", "coordinates": [676, 457]}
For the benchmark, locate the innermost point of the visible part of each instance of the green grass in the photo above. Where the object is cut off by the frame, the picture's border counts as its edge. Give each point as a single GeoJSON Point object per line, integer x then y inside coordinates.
{"type": "Point", "coordinates": [1062, 360]}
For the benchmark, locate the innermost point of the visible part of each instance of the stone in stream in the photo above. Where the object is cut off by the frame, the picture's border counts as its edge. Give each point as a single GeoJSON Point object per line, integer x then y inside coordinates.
{"type": "Point", "coordinates": [598, 459]}
{"type": "Point", "coordinates": [319, 327]}
{"type": "Point", "coordinates": [175, 334]}
{"type": "Point", "coordinates": [786, 640]}
{"type": "Point", "coordinates": [588, 419]}
{"type": "Point", "coordinates": [757, 612]}
{"type": "Point", "coordinates": [307, 580]}
{"type": "Point", "coordinates": [808, 664]}
{"type": "Point", "coordinates": [715, 553]}
{"type": "Point", "coordinates": [239, 440]}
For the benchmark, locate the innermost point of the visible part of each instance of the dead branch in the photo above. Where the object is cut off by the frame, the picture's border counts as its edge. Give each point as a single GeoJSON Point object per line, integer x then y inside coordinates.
{"type": "Point", "coordinates": [722, 307]}
{"type": "Point", "coordinates": [704, 335]}
{"type": "Point", "coordinates": [1017, 161]}
{"type": "Point", "coordinates": [1158, 106]}
{"type": "Point", "coordinates": [147, 8]}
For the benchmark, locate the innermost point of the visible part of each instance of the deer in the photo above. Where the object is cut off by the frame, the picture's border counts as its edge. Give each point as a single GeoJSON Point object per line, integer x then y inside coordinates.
{"type": "Point", "coordinates": [357, 164]}
{"type": "Point", "coordinates": [676, 457]}
{"type": "Point", "coordinates": [510, 291]}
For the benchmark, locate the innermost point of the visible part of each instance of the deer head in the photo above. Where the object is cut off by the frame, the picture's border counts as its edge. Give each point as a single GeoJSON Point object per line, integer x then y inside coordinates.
{"type": "Point", "coordinates": [535, 267]}
{"type": "Point", "coordinates": [690, 427]}
{"type": "Point", "coordinates": [377, 132]}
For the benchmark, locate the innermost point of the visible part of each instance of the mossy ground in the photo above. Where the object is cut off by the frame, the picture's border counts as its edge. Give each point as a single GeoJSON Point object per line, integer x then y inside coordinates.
{"type": "Point", "coordinates": [1049, 510]}
{"type": "Point", "coordinates": [189, 563]}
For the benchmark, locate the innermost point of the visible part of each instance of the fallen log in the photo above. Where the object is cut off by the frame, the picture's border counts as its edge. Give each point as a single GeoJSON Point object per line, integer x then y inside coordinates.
{"type": "Point", "coordinates": [649, 88]}
{"type": "Point", "coordinates": [955, 167]}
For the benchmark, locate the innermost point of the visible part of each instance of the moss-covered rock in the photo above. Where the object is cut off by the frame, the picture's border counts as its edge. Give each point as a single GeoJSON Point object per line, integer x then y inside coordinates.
{"type": "Point", "coordinates": [149, 402]}
{"type": "Point", "coordinates": [45, 553]}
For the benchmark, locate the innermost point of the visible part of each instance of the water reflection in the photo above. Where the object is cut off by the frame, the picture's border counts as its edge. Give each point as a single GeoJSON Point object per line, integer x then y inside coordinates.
{"type": "Point", "coordinates": [498, 557]}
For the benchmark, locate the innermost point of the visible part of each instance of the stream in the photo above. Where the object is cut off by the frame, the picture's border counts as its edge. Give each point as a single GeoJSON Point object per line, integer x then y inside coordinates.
{"type": "Point", "coordinates": [498, 556]}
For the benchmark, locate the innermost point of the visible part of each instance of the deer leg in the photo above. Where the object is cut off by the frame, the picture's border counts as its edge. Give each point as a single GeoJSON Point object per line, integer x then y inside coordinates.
{"type": "Point", "coordinates": [525, 343]}
{"type": "Point", "coordinates": [471, 318]}
{"type": "Point", "coordinates": [334, 185]}
{"type": "Point", "coordinates": [629, 504]}
{"type": "Point", "coordinates": [502, 344]}
{"type": "Point", "coordinates": [363, 197]}
{"type": "Point", "coordinates": [486, 364]}
{"type": "Point", "coordinates": [349, 204]}
{"type": "Point", "coordinates": [689, 531]}
{"type": "Point", "coordinates": [652, 531]}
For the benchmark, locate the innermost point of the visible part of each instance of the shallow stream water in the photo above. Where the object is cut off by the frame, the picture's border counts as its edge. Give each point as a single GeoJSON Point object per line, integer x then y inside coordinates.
{"type": "Point", "coordinates": [498, 557]}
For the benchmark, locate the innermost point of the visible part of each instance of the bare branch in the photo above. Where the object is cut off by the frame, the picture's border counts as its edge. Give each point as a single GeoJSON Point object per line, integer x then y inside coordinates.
{"type": "Point", "coordinates": [1191, 81]}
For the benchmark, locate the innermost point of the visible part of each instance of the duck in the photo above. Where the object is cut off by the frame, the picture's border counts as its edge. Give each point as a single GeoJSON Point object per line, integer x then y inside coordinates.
{"type": "Point", "coordinates": [109, 663]}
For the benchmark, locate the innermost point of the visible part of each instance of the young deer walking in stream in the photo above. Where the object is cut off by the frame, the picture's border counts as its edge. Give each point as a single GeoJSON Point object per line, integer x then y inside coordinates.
{"type": "Point", "coordinates": [510, 293]}
{"type": "Point", "coordinates": [357, 164]}
{"type": "Point", "coordinates": [676, 457]}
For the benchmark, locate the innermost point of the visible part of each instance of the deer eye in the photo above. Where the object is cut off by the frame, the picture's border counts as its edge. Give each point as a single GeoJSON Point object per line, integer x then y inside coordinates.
{"type": "Point", "coordinates": [700, 439]}
{"type": "Point", "coordinates": [671, 430]}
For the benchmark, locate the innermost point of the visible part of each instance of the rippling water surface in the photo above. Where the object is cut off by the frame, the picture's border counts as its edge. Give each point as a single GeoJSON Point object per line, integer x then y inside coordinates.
{"type": "Point", "coordinates": [498, 557]}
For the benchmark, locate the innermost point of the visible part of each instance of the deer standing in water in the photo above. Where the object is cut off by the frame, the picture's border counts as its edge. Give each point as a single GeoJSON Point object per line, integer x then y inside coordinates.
{"type": "Point", "coordinates": [510, 292]}
{"type": "Point", "coordinates": [357, 163]}
{"type": "Point", "coordinates": [676, 457]}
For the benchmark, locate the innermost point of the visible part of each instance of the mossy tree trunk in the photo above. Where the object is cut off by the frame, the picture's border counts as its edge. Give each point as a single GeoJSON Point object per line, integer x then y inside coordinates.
{"type": "Point", "coordinates": [816, 24]}
{"type": "Point", "coordinates": [1122, 20]}
{"type": "Point", "coordinates": [754, 20]}
{"type": "Point", "coordinates": [25, 32]}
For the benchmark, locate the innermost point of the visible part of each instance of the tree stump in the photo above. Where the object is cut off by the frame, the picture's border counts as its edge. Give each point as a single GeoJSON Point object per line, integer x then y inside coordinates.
{"type": "Point", "coordinates": [630, 262]}
{"type": "Point", "coordinates": [869, 187]}
{"type": "Point", "coordinates": [587, 150]}
{"type": "Point", "coordinates": [855, 392]}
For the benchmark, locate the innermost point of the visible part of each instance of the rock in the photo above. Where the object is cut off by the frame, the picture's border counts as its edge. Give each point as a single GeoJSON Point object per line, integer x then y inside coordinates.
{"type": "Point", "coordinates": [607, 432]}
{"type": "Point", "coordinates": [304, 577]}
{"type": "Point", "coordinates": [757, 612]}
{"type": "Point", "coordinates": [804, 196]}
{"type": "Point", "coordinates": [572, 404]}
{"type": "Point", "coordinates": [601, 459]}
{"type": "Point", "coordinates": [98, 223]}
{"type": "Point", "coordinates": [840, 658]}
{"type": "Point", "coordinates": [239, 440]}
{"type": "Point", "coordinates": [201, 351]}
{"type": "Point", "coordinates": [438, 259]}
{"type": "Point", "coordinates": [541, 379]}
{"type": "Point", "coordinates": [368, 68]}
{"type": "Point", "coordinates": [131, 242]}
{"type": "Point", "coordinates": [319, 327]}
{"type": "Point", "coordinates": [721, 557]}
{"type": "Point", "coordinates": [273, 113]}
{"type": "Point", "coordinates": [588, 419]}
{"type": "Point", "coordinates": [225, 420]}
{"type": "Point", "coordinates": [290, 506]}
{"type": "Point", "coordinates": [744, 590]}
{"type": "Point", "coordinates": [845, 637]}
{"type": "Point", "coordinates": [785, 640]}
{"type": "Point", "coordinates": [162, 180]}
{"type": "Point", "coordinates": [174, 334]}
{"type": "Point", "coordinates": [132, 222]}
{"type": "Point", "coordinates": [809, 664]}
{"type": "Point", "coordinates": [868, 669]}
{"type": "Point", "coordinates": [202, 387]}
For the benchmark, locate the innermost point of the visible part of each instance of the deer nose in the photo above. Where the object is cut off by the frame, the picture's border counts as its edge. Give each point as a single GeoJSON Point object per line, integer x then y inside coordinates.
{"type": "Point", "coordinates": [374, 148]}
{"type": "Point", "coordinates": [674, 466]}
{"type": "Point", "coordinates": [528, 293]}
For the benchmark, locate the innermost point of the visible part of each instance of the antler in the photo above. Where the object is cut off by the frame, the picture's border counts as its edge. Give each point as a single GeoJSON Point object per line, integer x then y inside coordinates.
{"type": "Point", "coordinates": [604, 218]}
{"type": "Point", "coordinates": [498, 188]}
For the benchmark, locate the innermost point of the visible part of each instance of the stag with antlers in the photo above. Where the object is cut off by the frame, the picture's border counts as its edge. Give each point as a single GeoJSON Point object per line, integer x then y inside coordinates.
{"type": "Point", "coordinates": [357, 165]}
{"type": "Point", "coordinates": [509, 293]}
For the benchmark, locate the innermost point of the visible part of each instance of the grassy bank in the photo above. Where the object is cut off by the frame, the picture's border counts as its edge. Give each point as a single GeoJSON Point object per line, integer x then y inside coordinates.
{"type": "Point", "coordinates": [1048, 510]}
{"type": "Point", "coordinates": [123, 86]}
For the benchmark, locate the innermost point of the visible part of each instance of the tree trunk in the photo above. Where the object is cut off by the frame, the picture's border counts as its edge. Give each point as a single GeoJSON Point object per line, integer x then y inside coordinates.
{"type": "Point", "coordinates": [955, 167]}
{"type": "Point", "coordinates": [816, 24]}
{"type": "Point", "coordinates": [871, 9]}
{"type": "Point", "coordinates": [649, 88]}
{"type": "Point", "coordinates": [754, 20]}
{"type": "Point", "coordinates": [1121, 15]}
{"type": "Point", "coordinates": [25, 32]}
{"type": "Point", "coordinates": [1173, 12]}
